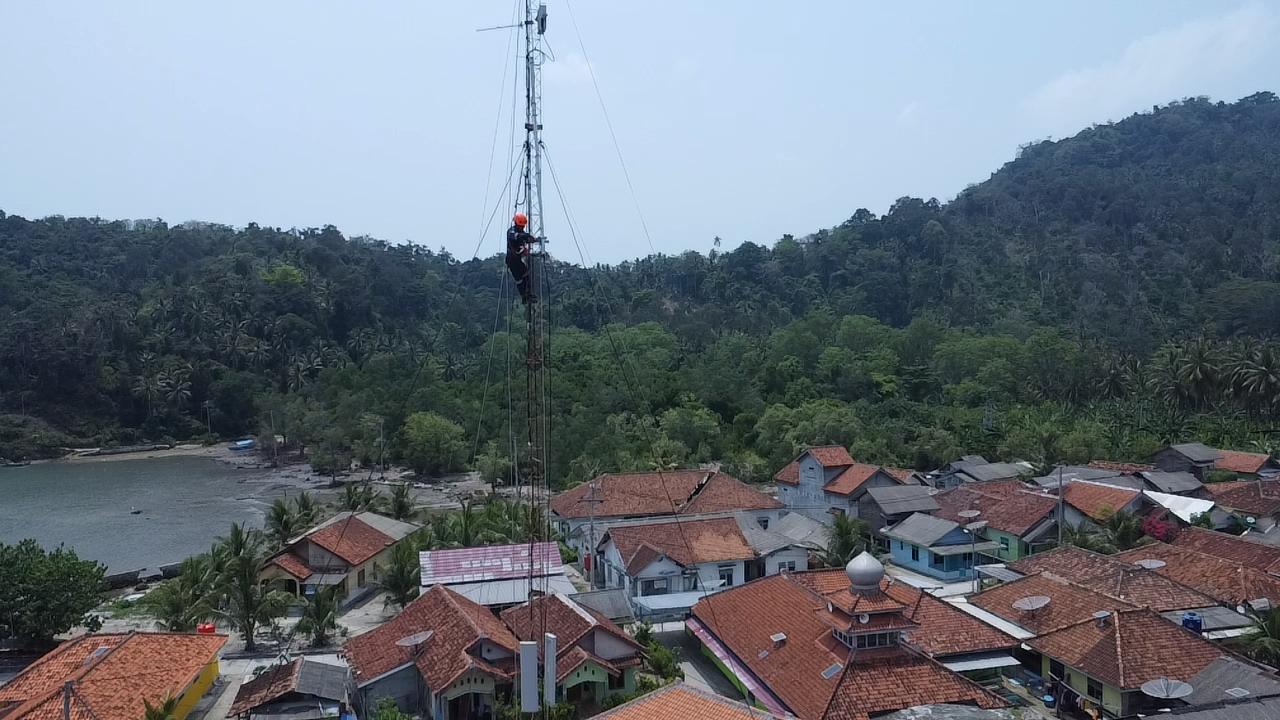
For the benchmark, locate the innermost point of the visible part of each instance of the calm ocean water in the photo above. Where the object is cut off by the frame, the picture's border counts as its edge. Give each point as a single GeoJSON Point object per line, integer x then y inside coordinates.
{"type": "Point", "coordinates": [186, 502]}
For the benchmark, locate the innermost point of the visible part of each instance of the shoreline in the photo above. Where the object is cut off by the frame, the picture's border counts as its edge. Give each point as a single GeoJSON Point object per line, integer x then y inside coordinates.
{"type": "Point", "coordinates": [189, 450]}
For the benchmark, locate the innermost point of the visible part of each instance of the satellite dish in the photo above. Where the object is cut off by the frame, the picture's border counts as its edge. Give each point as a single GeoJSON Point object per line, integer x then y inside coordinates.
{"type": "Point", "coordinates": [864, 618]}
{"type": "Point", "coordinates": [1150, 563]}
{"type": "Point", "coordinates": [1251, 520]}
{"type": "Point", "coordinates": [1031, 603]}
{"type": "Point", "coordinates": [1165, 688]}
{"type": "Point", "coordinates": [415, 639]}
{"type": "Point", "coordinates": [969, 513]}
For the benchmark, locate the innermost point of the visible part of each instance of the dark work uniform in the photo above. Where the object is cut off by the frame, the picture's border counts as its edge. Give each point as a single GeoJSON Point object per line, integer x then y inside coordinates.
{"type": "Point", "coordinates": [518, 243]}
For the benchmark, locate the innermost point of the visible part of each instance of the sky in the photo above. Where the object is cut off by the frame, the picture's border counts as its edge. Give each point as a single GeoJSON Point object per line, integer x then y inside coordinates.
{"type": "Point", "coordinates": [740, 120]}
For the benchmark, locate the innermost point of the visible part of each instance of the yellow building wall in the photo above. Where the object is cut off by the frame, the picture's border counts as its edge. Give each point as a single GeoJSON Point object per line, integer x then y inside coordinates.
{"type": "Point", "coordinates": [189, 697]}
{"type": "Point", "coordinates": [1111, 697]}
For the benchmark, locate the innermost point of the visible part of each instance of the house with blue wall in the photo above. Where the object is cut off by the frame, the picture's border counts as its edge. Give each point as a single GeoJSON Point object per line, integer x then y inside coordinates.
{"type": "Point", "coordinates": [824, 482]}
{"type": "Point", "coordinates": [936, 547]}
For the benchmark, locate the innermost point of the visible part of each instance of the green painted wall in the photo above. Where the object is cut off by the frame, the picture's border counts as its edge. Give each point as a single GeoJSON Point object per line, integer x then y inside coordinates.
{"type": "Point", "coordinates": [729, 674]}
{"type": "Point", "coordinates": [1015, 544]}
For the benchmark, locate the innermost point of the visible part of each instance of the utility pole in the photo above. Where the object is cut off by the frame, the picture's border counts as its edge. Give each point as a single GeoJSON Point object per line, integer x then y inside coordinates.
{"type": "Point", "coordinates": [1059, 505]}
{"type": "Point", "coordinates": [592, 501]}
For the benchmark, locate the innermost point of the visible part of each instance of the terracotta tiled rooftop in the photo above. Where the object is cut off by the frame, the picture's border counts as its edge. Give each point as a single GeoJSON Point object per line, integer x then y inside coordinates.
{"type": "Point", "coordinates": [1132, 647]}
{"type": "Point", "coordinates": [1228, 582]}
{"type": "Point", "coordinates": [1244, 496]}
{"type": "Point", "coordinates": [675, 492]}
{"type": "Point", "coordinates": [688, 543]}
{"type": "Point", "coordinates": [351, 539]}
{"type": "Point", "coordinates": [557, 614]}
{"type": "Point", "coordinates": [271, 684]}
{"type": "Point", "coordinates": [291, 564]}
{"type": "Point", "coordinates": [113, 675]}
{"type": "Point", "coordinates": [796, 605]}
{"type": "Point", "coordinates": [1068, 602]}
{"type": "Point", "coordinates": [456, 624]}
{"type": "Point", "coordinates": [1067, 561]}
{"type": "Point", "coordinates": [680, 701]}
{"type": "Point", "coordinates": [789, 474]}
{"type": "Point", "coordinates": [830, 456]}
{"type": "Point", "coordinates": [882, 682]}
{"type": "Point", "coordinates": [1006, 507]}
{"type": "Point", "coordinates": [855, 475]}
{"type": "Point", "coordinates": [1241, 462]}
{"type": "Point", "coordinates": [902, 475]}
{"type": "Point", "coordinates": [1228, 547]}
{"type": "Point", "coordinates": [1148, 588]}
{"type": "Point", "coordinates": [1096, 500]}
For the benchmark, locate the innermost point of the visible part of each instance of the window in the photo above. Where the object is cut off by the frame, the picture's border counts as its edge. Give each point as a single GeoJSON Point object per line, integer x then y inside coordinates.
{"type": "Point", "coordinates": [763, 520]}
{"type": "Point", "coordinates": [617, 682]}
{"type": "Point", "coordinates": [653, 587]}
{"type": "Point", "coordinates": [1004, 547]}
{"type": "Point", "coordinates": [360, 578]}
{"type": "Point", "coordinates": [936, 560]}
{"type": "Point", "coordinates": [1095, 689]}
{"type": "Point", "coordinates": [788, 566]}
{"type": "Point", "coordinates": [726, 575]}
{"type": "Point", "coordinates": [874, 640]}
{"type": "Point", "coordinates": [837, 512]}
{"type": "Point", "coordinates": [915, 553]}
{"type": "Point", "coordinates": [1056, 669]}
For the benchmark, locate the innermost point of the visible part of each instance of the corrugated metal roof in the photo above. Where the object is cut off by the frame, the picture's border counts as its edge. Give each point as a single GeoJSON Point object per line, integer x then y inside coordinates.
{"type": "Point", "coordinates": [1172, 482]}
{"type": "Point", "coordinates": [921, 529]}
{"type": "Point", "coordinates": [510, 592]}
{"type": "Point", "coordinates": [612, 604]}
{"type": "Point", "coordinates": [897, 499]}
{"type": "Point", "coordinates": [1210, 685]}
{"type": "Point", "coordinates": [1196, 452]}
{"type": "Point", "coordinates": [491, 562]}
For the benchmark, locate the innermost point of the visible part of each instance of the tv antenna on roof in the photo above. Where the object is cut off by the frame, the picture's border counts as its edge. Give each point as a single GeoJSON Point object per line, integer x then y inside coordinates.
{"type": "Point", "coordinates": [1150, 563]}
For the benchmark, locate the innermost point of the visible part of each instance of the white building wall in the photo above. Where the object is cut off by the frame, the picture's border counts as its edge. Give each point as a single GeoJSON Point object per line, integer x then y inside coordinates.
{"type": "Point", "coordinates": [799, 556]}
{"type": "Point", "coordinates": [609, 647]}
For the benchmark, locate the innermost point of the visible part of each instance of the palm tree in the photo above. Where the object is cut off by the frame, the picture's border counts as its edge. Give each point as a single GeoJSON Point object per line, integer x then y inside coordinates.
{"type": "Point", "coordinates": [1122, 530]}
{"type": "Point", "coordinates": [357, 497]}
{"type": "Point", "coordinates": [282, 522]}
{"type": "Point", "coordinates": [249, 603]}
{"type": "Point", "coordinates": [401, 579]}
{"type": "Point", "coordinates": [1200, 371]}
{"type": "Point", "coordinates": [187, 600]}
{"type": "Point", "coordinates": [305, 510]}
{"type": "Point", "coordinates": [175, 388]}
{"type": "Point", "coordinates": [1262, 643]}
{"type": "Point", "coordinates": [237, 544]}
{"type": "Point", "coordinates": [147, 388]}
{"type": "Point", "coordinates": [1086, 539]}
{"type": "Point", "coordinates": [844, 540]}
{"type": "Point", "coordinates": [320, 616]}
{"type": "Point", "coordinates": [167, 709]}
{"type": "Point", "coordinates": [401, 505]}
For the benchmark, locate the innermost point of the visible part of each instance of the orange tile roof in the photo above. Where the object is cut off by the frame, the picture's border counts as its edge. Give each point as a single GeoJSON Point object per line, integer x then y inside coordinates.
{"type": "Point", "coordinates": [291, 564]}
{"type": "Point", "coordinates": [796, 604]}
{"type": "Point", "coordinates": [688, 543]}
{"type": "Point", "coordinates": [1245, 496]}
{"type": "Point", "coordinates": [1229, 547]}
{"type": "Point", "coordinates": [268, 686]}
{"type": "Point", "coordinates": [831, 456]}
{"type": "Point", "coordinates": [1134, 646]}
{"type": "Point", "coordinates": [1147, 588]}
{"type": "Point", "coordinates": [1228, 582]}
{"type": "Point", "coordinates": [1097, 501]}
{"type": "Point", "coordinates": [1241, 462]}
{"type": "Point", "coordinates": [1068, 602]}
{"type": "Point", "coordinates": [851, 479]}
{"type": "Point", "coordinates": [789, 474]}
{"type": "Point", "coordinates": [1004, 506]}
{"type": "Point", "coordinates": [112, 674]}
{"type": "Point", "coordinates": [884, 681]}
{"type": "Point", "coordinates": [902, 475]}
{"type": "Point", "coordinates": [456, 623]}
{"type": "Point", "coordinates": [1067, 561]}
{"type": "Point", "coordinates": [557, 614]}
{"type": "Point", "coordinates": [351, 539]}
{"type": "Point", "coordinates": [675, 492]}
{"type": "Point", "coordinates": [680, 701]}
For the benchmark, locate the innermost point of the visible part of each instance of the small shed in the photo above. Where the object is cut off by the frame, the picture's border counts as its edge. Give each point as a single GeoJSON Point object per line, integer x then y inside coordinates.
{"type": "Point", "coordinates": [303, 689]}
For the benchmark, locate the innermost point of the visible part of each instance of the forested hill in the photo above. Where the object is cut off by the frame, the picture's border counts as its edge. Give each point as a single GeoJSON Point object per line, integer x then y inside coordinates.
{"type": "Point", "coordinates": [1030, 315]}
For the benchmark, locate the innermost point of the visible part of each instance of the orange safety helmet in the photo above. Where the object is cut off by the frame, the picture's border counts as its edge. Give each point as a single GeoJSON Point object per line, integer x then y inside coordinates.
{"type": "Point", "coordinates": [521, 220]}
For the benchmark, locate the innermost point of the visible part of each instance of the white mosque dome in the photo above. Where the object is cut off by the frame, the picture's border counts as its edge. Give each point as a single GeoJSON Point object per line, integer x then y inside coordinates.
{"type": "Point", "coordinates": [865, 572]}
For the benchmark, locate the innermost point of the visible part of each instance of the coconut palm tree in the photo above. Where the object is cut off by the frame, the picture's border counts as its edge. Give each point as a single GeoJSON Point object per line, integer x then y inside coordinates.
{"type": "Point", "coordinates": [401, 505]}
{"type": "Point", "coordinates": [282, 522]}
{"type": "Point", "coordinates": [188, 599]}
{"type": "Point", "coordinates": [844, 540]}
{"type": "Point", "coordinates": [1262, 643]}
{"type": "Point", "coordinates": [1122, 531]}
{"type": "Point", "coordinates": [250, 604]}
{"type": "Point", "coordinates": [320, 616]}
{"type": "Point", "coordinates": [401, 578]}
{"type": "Point", "coordinates": [305, 510]}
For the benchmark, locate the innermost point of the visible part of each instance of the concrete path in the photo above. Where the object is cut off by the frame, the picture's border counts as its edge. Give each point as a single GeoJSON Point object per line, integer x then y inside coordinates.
{"type": "Point", "coordinates": [698, 670]}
